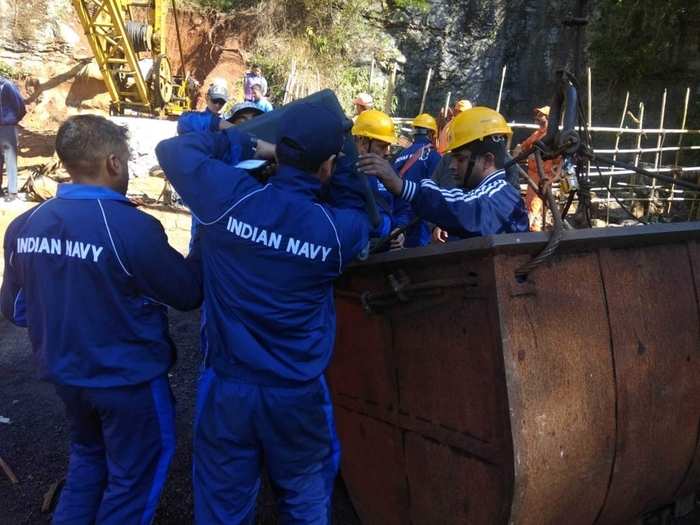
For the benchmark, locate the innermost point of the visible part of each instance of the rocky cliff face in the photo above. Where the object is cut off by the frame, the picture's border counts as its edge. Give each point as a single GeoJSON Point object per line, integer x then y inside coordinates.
{"type": "Point", "coordinates": [467, 42]}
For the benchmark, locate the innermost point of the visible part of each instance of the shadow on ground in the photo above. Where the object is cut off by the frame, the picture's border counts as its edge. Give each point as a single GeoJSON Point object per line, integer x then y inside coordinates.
{"type": "Point", "coordinates": [35, 442]}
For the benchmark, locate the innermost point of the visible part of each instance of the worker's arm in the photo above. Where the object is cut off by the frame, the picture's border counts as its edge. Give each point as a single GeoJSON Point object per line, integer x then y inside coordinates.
{"type": "Point", "coordinates": [196, 121]}
{"type": "Point", "coordinates": [353, 231]}
{"type": "Point", "coordinates": [200, 167]}
{"type": "Point", "coordinates": [402, 213]}
{"type": "Point", "coordinates": [494, 207]}
{"type": "Point", "coordinates": [161, 273]}
{"type": "Point", "coordinates": [529, 142]}
{"type": "Point", "coordinates": [12, 304]}
{"type": "Point", "coordinates": [482, 211]}
{"type": "Point", "coordinates": [344, 189]}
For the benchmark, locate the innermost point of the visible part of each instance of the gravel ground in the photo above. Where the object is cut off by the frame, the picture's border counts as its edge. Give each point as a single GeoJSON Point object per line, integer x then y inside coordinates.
{"type": "Point", "coordinates": [35, 442]}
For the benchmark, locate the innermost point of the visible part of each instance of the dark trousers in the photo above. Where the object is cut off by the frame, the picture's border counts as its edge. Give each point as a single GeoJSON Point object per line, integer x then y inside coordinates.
{"type": "Point", "coordinates": [239, 427]}
{"type": "Point", "coordinates": [122, 441]}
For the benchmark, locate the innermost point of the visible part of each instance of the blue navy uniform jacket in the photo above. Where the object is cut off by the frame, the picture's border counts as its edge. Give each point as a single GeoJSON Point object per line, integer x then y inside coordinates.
{"type": "Point", "coordinates": [12, 108]}
{"type": "Point", "coordinates": [270, 254]}
{"type": "Point", "coordinates": [494, 206]}
{"type": "Point", "coordinates": [90, 276]}
{"type": "Point", "coordinates": [198, 121]}
{"type": "Point", "coordinates": [423, 168]}
{"type": "Point", "coordinates": [344, 192]}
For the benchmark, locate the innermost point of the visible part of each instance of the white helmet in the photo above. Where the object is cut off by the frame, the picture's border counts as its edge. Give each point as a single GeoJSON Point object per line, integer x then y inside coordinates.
{"type": "Point", "coordinates": [217, 91]}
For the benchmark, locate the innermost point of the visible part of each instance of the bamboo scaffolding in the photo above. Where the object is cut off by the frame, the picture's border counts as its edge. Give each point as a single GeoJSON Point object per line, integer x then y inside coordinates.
{"type": "Point", "coordinates": [617, 144]}
{"type": "Point", "coordinates": [659, 141]}
{"type": "Point", "coordinates": [676, 160]}
{"type": "Point", "coordinates": [390, 90]}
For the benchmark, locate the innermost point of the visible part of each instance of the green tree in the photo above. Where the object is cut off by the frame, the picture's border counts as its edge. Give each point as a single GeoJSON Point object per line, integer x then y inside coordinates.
{"type": "Point", "coordinates": [634, 41]}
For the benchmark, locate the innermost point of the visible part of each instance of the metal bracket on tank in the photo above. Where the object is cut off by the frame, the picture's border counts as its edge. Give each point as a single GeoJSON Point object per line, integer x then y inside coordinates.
{"type": "Point", "coordinates": [403, 291]}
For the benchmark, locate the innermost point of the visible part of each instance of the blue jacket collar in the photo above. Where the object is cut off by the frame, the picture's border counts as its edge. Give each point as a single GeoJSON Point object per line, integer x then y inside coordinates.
{"type": "Point", "coordinates": [421, 140]}
{"type": "Point", "coordinates": [88, 192]}
{"type": "Point", "coordinates": [295, 180]}
{"type": "Point", "coordinates": [495, 175]}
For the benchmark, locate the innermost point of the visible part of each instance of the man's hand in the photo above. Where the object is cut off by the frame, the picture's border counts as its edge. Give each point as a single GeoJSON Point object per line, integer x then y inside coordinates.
{"type": "Point", "coordinates": [398, 241]}
{"type": "Point", "coordinates": [265, 150]}
{"type": "Point", "coordinates": [373, 164]}
{"type": "Point", "coordinates": [439, 235]}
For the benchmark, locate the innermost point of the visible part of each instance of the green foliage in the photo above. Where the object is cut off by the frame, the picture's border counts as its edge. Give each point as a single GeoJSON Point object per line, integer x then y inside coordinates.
{"type": "Point", "coordinates": [9, 71]}
{"type": "Point", "coordinates": [423, 5]}
{"type": "Point", "coordinates": [637, 40]}
{"type": "Point", "coordinates": [332, 43]}
{"type": "Point", "coordinates": [221, 5]}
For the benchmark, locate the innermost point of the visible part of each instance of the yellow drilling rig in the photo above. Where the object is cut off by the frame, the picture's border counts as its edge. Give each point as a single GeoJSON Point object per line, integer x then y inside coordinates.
{"type": "Point", "coordinates": [129, 41]}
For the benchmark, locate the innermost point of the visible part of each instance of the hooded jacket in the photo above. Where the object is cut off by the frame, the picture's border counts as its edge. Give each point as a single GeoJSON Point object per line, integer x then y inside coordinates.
{"type": "Point", "coordinates": [270, 254]}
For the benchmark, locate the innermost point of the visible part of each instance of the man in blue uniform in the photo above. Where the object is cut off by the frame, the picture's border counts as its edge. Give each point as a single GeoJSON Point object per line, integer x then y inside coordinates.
{"type": "Point", "coordinates": [374, 132]}
{"type": "Point", "coordinates": [415, 163]}
{"type": "Point", "coordinates": [209, 119]}
{"type": "Point", "coordinates": [270, 254]}
{"type": "Point", "coordinates": [483, 203]}
{"type": "Point", "coordinates": [84, 272]}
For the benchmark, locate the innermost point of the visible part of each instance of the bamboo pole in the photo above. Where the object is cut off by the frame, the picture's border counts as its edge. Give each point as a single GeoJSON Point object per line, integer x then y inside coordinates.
{"type": "Point", "coordinates": [590, 117]}
{"type": "Point", "coordinates": [647, 150]}
{"type": "Point", "coordinates": [425, 89]}
{"type": "Point", "coordinates": [677, 159]}
{"type": "Point", "coordinates": [639, 137]}
{"type": "Point", "coordinates": [447, 104]}
{"type": "Point", "coordinates": [617, 144]}
{"type": "Point", "coordinates": [500, 89]}
{"type": "Point", "coordinates": [590, 100]}
{"type": "Point", "coordinates": [638, 156]}
{"type": "Point", "coordinates": [659, 141]}
{"type": "Point", "coordinates": [390, 90]}
{"type": "Point", "coordinates": [290, 81]}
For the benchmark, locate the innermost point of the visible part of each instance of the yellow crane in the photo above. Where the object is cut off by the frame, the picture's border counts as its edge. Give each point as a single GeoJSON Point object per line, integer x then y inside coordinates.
{"type": "Point", "coordinates": [129, 41]}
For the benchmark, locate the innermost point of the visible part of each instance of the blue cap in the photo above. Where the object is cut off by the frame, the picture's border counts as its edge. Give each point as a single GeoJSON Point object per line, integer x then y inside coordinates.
{"type": "Point", "coordinates": [309, 134]}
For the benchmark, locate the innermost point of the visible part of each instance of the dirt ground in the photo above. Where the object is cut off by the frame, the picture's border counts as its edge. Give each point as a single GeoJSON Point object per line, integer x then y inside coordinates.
{"type": "Point", "coordinates": [35, 442]}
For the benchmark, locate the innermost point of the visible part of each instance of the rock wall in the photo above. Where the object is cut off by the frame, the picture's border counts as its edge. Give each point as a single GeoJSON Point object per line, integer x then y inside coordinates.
{"type": "Point", "coordinates": [467, 42]}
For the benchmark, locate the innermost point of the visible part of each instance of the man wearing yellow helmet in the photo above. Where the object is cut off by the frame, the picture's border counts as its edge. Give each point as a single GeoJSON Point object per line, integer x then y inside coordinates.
{"type": "Point", "coordinates": [374, 133]}
{"type": "Point", "coordinates": [459, 107]}
{"type": "Point", "coordinates": [484, 203]}
{"type": "Point", "coordinates": [415, 163]}
{"type": "Point", "coordinates": [533, 202]}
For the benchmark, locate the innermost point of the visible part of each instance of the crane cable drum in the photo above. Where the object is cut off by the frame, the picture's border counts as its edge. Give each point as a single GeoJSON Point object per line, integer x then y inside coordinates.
{"type": "Point", "coordinates": [140, 35]}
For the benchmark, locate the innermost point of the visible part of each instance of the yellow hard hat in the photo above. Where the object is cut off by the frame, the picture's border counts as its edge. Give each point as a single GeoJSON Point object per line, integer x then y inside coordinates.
{"type": "Point", "coordinates": [475, 124]}
{"type": "Point", "coordinates": [424, 120]}
{"type": "Point", "coordinates": [375, 124]}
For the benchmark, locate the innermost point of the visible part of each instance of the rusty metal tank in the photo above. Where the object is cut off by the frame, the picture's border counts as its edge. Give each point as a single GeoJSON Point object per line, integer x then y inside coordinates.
{"type": "Point", "coordinates": [465, 396]}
